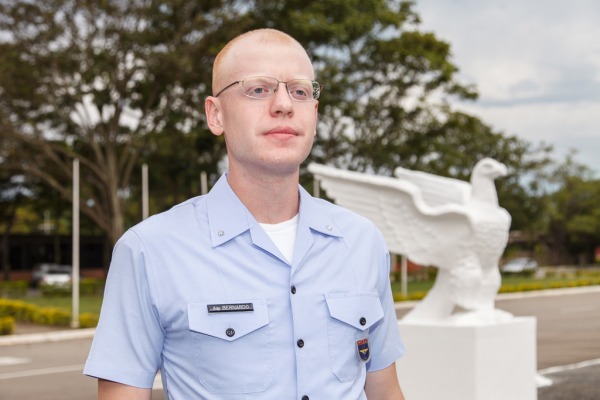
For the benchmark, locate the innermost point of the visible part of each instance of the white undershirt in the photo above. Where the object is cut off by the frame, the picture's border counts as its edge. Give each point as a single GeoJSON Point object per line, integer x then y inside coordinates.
{"type": "Point", "coordinates": [283, 235]}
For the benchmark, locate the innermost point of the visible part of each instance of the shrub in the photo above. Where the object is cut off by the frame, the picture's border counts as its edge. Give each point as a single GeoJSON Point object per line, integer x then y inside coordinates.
{"type": "Point", "coordinates": [52, 316]}
{"type": "Point", "coordinates": [55, 290]}
{"type": "Point", "coordinates": [556, 285]}
{"type": "Point", "coordinates": [17, 309]}
{"type": "Point", "coordinates": [13, 289]}
{"type": "Point", "coordinates": [91, 287]}
{"type": "Point", "coordinates": [88, 320]}
{"type": "Point", "coordinates": [417, 295]}
{"type": "Point", "coordinates": [7, 326]}
{"type": "Point", "coordinates": [507, 288]}
{"type": "Point", "coordinates": [25, 312]}
{"type": "Point", "coordinates": [526, 287]}
{"type": "Point", "coordinates": [87, 287]}
{"type": "Point", "coordinates": [411, 296]}
{"type": "Point", "coordinates": [399, 297]}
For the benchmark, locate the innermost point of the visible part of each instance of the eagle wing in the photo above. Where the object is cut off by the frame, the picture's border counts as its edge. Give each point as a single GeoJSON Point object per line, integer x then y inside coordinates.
{"type": "Point", "coordinates": [436, 190]}
{"type": "Point", "coordinates": [428, 235]}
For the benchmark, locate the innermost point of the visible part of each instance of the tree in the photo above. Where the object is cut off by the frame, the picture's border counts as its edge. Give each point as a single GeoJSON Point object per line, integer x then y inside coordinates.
{"type": "Point", "coordinates": [101, 82]}
{"type": "Point", "coordinates": [10, 197]}
{"type": "Point", "coordinates": [117, 83]}
{"type": "Point", "coordinates": [573, 213]}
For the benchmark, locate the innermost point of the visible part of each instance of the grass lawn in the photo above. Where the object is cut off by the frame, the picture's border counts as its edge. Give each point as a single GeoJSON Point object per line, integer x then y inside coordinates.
{"type": "Point", "coordinates": [87, 304]}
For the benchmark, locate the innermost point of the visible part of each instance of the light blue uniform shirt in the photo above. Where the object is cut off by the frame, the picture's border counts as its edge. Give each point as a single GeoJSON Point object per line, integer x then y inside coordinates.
{"type": "Point", "coordinates": [201, 293]}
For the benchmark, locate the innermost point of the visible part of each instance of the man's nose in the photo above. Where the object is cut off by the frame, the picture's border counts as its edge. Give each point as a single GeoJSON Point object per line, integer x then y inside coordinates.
{"type": "Point", "coordinates": [282, 101]}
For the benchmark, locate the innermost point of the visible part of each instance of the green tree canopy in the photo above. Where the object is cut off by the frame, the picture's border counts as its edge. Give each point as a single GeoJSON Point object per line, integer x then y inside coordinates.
{"type": "Point", "coordinates": [573, 218]}
{"type": "Point", "coordinates": [117, 83]}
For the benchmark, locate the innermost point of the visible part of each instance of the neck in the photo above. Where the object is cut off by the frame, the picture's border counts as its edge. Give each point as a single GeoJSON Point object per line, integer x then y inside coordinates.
{"type": "Point", "coordinates": [270, 199]}
{"type": "Point", "coordinates": [484, 190]}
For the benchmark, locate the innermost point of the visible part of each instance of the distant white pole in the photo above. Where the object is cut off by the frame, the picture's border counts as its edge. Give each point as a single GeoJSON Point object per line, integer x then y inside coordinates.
{"type": "Point", "coordinates": [203, 182]}
{"type": "Point", "coordinates": [404, 275]}
{"type": "Point", "coordinates": [316, 191]}
{"type": "Point", "coordinates": [145, 209]}
{"type": "Point", "coordinates": [75, 256]}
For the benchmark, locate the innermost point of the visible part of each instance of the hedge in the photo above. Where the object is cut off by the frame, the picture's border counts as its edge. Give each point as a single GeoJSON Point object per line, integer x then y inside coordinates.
{"type": "Point", "coordinates": [13, 289]}
{"type": "Point", "coordinates": [7, 325]}
{"type": "Point", "coordinates": [87, 287]}
{"type": "Point", "coordinates": [25, 312]}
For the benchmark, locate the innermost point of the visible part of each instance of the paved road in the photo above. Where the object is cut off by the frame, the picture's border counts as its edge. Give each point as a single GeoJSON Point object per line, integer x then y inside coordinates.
{"type": "Point", "coordinates": [568, 327]}
{"type": "Point", "coordinates": [568, 333]}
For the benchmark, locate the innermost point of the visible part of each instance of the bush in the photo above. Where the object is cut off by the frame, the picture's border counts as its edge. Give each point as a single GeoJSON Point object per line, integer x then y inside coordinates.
{"type": "Point", "coordinates": [52, 316]}
{"type": "Point", "coordinates": [7, 326]}
{"type": "Point", "coordinates": [508, 288]}
{"type": "Point", "coordinates": [13, 289]}
{"type": "Point", "coordinates": [526, 287]}
{"type": "Point", "coordinates": [17, 309]}
{"type": "Point", "coordinates": [88, 320]}
{"type": "Point", "coordinates": [87, 287]}
{"type": "Point", "coordinates": [556, 285]}
{"type": "Point", "coordinates": [55, 290]}
{"type": "Point", "coordinates": [91, 287]}
{"type": "Point", "coordinates": [25, 312]}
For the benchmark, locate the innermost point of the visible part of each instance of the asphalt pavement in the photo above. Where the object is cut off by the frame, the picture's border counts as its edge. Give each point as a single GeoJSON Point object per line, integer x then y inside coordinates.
{"type": "Point", "coordinates": [579, 381]}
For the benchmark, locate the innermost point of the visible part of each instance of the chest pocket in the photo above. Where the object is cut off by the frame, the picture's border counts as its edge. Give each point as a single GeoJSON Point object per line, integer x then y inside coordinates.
{"type": "Point", "coordinates": [233, 345]}
{"type": "Point", "coordinates": [352, 315]}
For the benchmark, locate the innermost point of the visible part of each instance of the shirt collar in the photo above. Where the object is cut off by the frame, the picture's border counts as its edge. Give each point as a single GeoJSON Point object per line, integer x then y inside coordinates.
{"type": "Point", "coordinates": [313, 214]}
{"type": "Point", "coordinates": [228, 217]}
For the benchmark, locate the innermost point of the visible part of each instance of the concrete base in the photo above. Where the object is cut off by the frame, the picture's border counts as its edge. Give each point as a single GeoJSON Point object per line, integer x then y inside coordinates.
{"type": "Point", "coordinates": [485, 362]}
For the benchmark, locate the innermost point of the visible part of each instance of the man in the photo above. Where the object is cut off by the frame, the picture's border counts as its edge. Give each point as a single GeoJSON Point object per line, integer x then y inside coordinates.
{"type": "Point", "coordinates": [256, 290]}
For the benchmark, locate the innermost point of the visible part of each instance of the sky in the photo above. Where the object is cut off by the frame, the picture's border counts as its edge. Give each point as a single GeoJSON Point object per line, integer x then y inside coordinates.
{"type": "Point", "coordinates": [536, 65]}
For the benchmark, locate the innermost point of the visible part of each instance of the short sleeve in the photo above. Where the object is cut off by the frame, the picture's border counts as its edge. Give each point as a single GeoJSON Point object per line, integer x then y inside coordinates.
{"type": "Point", "coordinates": [128, 340]}
{"type": "Point", "coordinates": [384, 338]}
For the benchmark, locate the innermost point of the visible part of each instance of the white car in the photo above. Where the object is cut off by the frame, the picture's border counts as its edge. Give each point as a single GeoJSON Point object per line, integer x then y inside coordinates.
{"type": "Point", "coordinates": [53, 274]}
{"type": "Point", "coordinates": [519, 264]}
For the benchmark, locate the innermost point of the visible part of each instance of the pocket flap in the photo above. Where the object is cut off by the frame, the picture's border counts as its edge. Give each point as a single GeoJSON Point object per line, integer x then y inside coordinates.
{"type": "Point", "coordinates": [360, 310]}
{"type": "Point", "coordinates": [229, 320]}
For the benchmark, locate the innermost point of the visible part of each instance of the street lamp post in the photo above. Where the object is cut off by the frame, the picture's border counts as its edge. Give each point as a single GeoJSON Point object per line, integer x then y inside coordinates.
{"type": "Point", "coordinates": [75, 245]}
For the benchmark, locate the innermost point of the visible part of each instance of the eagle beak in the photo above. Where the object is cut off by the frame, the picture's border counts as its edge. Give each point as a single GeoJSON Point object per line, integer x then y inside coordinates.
{"type": "Point", "coordinates": [501, 170]}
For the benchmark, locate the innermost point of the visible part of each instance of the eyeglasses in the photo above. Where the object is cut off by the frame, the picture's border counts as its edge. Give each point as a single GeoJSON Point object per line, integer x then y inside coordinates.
{"type": "Point", "coordinates": [264, 87]}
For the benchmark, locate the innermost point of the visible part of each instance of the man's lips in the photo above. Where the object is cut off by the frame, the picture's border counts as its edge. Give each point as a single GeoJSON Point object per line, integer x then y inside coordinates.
{"type": "Point", "coordinates": [281, 131]}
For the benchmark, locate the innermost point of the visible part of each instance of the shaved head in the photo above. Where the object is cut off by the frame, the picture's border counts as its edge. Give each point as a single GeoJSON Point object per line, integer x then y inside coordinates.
{"type": "Point", "coordinates": [266, 36]}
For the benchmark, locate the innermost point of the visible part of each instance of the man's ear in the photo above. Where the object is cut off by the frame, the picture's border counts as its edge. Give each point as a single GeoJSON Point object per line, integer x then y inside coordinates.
{"type": "Point", "coordinates": [213, 115]}
{"type": "Point", "coordinates": [316, 115]}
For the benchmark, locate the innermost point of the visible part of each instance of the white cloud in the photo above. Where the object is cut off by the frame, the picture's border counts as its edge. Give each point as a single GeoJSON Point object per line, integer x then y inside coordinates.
{"type": "Point", "coordinates": [536, 65]}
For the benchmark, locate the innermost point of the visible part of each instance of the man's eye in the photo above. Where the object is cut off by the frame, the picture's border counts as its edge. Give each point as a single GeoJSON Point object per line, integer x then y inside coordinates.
{"type": "Point", "coordinates": [258, 90]}
{"type": "Point", "coordinates": [301, 92]}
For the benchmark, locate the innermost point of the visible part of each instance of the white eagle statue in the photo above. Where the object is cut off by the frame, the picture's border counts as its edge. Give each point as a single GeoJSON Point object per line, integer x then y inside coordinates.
{"type": "Point", "coordinates": [436, 221]}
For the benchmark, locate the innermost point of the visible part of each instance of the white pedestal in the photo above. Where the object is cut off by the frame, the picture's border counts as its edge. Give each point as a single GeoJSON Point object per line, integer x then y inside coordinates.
{"type": "Point", "coordinates": [487, 362]}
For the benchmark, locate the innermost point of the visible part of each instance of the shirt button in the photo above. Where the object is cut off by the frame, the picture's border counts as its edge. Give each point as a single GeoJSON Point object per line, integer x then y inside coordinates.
{"type": "Point", "coordinates": [293, 289]}
{"type": "Point", "coordinates": [305, 397]}
{"type": "Point", "coordinates": [363, 321]}
{"type": "Point", "coordinates": [300, 343]}
{"type": "Point", "coordinates": [230, 332]}
{"type": "Point", "coordinates": [221, 233]}
{"type": "Point", "coordinates": [329, 227]}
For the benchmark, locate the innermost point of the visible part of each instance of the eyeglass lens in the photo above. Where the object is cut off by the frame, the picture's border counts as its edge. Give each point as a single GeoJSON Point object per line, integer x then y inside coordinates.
{"type": "Point", "coordinates": [260, 87]}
